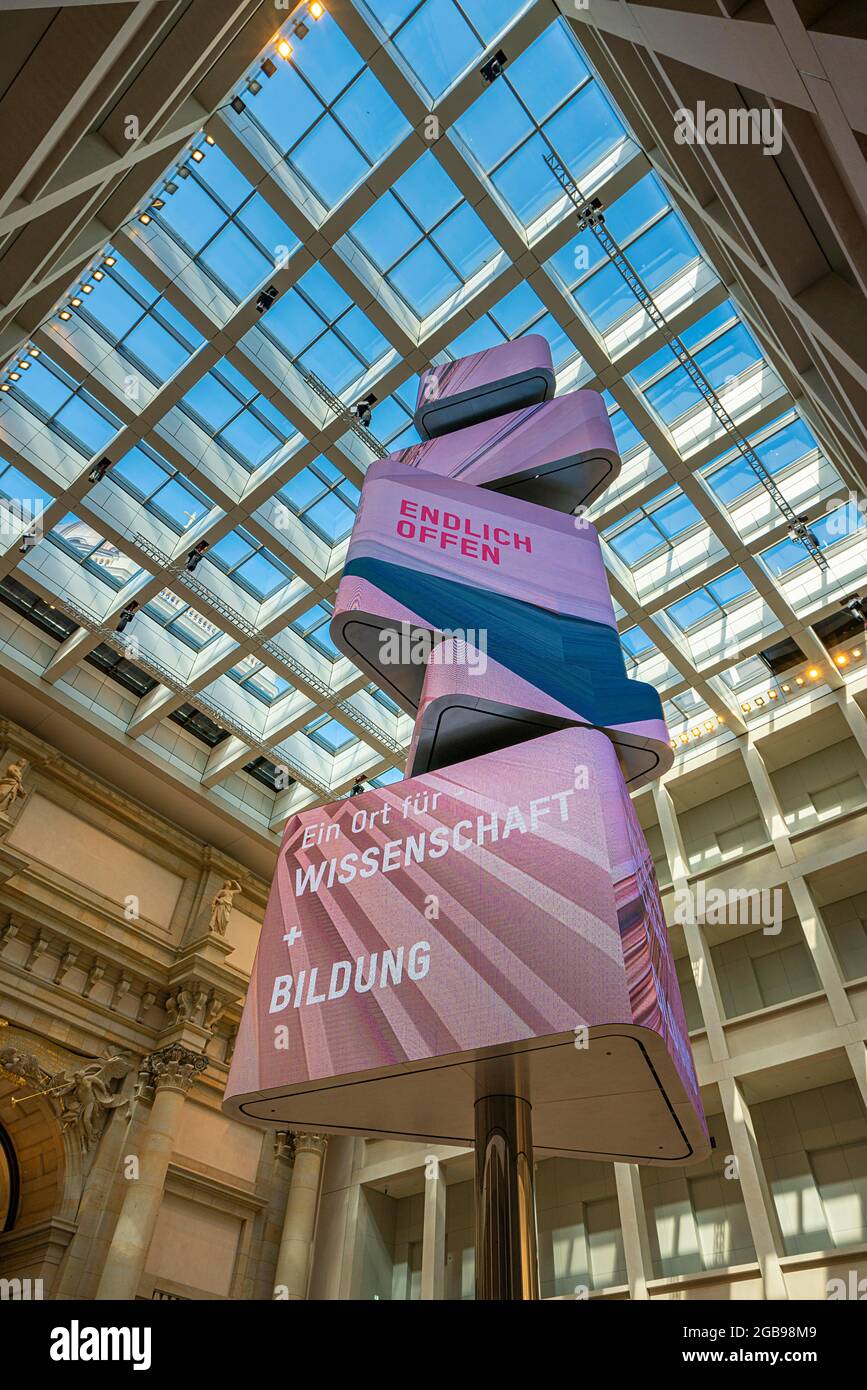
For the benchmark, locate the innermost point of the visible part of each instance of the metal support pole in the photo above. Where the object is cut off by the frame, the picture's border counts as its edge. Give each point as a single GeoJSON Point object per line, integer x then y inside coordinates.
{"type": "Point", "coordinates": [507, 1262]}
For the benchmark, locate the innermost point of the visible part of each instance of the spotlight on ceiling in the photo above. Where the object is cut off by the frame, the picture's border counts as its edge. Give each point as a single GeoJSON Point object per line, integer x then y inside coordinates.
{"type": "Point", "coordinates": [493, 68]}
{"type": "Point", "coordinates": [316, 9]}
{"type": "Point", "coordinates": [800, 531]}
{"type": "Point", "coordinates": [284, 48]}
{"type": "Point", "coordinates": [362, 410]}
{"type": "Point", "coordinates": [198, 155]}
{"type": "Point", "coordinates": [254, 86]}
{"type": "Point", "coordinates": [269, 67]}
{"type": "Point", "coordinates": [857, 606]}
{"type": "Point", "coordinates": [238, 105]}
{"type": "Point", "coordinates": [266, 299]}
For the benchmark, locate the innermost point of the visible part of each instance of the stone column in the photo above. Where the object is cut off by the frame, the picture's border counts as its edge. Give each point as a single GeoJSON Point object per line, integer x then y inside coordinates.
{"type": "Point", "coordinates": [633, 1224]}
{"type": "Point", "coordinates": [769, 804]}
{"type": "Point", "coordinates": [299, 1224]}
{"type": "Point", "coordinates": [758, 1200]}
{"type": "Point", "coordinates": [821, 949]}
{"type": "Point", "coordinates": [433, 1250]}
{"type": "Point", "coordinates": [170, 1072]}
{"type": "Point", "coordinates": [699, 957]}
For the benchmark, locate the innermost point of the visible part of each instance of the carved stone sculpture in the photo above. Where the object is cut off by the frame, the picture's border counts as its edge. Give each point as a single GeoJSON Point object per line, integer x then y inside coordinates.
{"type": "Point", "coordinates": [221, 907]}
{"type": "Point", "coordinates": [12, 785]}
{"type": "Point", "coordinates": [86, 1096]}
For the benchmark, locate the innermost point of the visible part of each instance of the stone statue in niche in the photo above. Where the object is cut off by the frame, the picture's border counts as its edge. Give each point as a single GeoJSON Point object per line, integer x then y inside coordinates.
{"type": "Point", "coordinates": [12, 785]}
{"type": "Point", "coordinates": [86, 1095]}
{"type": "Point", "coordinates": [221, 907]}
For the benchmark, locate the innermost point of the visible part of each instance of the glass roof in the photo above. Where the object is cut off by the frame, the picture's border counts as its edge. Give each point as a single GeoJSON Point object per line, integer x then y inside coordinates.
{"type": "Point", "coordinates": [318, 241]}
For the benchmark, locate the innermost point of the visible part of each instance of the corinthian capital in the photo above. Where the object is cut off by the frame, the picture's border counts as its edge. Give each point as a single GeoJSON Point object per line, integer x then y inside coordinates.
{"type": "Point", "coordinates": [174, 1067]}
{"type": "Point", "coordinates": [309, 1143]}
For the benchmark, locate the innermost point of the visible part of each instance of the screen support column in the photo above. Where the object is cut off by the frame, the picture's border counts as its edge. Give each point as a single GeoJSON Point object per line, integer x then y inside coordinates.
{"type": "Point", "coordinates": [507, 1262]}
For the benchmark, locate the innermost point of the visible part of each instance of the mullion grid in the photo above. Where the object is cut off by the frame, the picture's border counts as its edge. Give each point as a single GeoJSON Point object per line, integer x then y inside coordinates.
{"type": "Point", "coordinates": [328, 109]}
{"type": "Point", "coordinates": [664, 480]}
{"type": "Point", "coordinates": [230, 219]}
{"type": "Point", "coordinates": [151, 312]}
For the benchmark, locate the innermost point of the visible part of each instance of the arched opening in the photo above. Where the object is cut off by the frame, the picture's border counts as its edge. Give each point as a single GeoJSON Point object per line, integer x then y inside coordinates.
{"type": "Point", "coordinates": [10, 1182]}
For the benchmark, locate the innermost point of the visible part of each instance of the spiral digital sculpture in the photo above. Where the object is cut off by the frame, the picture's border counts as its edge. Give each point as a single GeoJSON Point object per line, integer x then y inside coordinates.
{"type": "Point", "coordinates": [494, 919]}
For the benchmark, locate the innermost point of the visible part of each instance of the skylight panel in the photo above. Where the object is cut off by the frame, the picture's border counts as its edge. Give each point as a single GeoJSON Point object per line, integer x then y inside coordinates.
{"type": "Point", "coordinates": [324, 499]}
{"type": "Point", "coordinates": [326, 113]}
{"type": "Point", "coordinates": [313, 627]}
{"type": "Point", "coordinates": [250, 565]}
{"type": "Point", "coordinates": [330, 734]}
{"type": "Point", "coordinates": [218, 217]}
{"type": "Point", "coordinates": [777, 451]}
{"type": "Point", "coordinates": [267, 685]}
{"type": "Point", "coordinates": [28, 500]}
{"type": "Point", "coordinates": [554, 103]}
{"type": "Point", "coordinates": [327, 59]}
{"type": "Point", "coordinates": [329, 162]}
{"type": "Point", "coordinates": [425, 237]}
{"type": "Point", "coordinates": [177, 617]}
{"type": "Point", "coordinates": [392, 420]}
{"type": "Point", "coordinates": [438, 44]}
{"type": "Point", "coordinates": [159, 487]}
{"type": "Point", "coordinates": [93, 552]}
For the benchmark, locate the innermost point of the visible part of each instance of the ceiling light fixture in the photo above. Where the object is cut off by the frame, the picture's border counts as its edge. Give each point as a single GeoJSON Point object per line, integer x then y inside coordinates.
{"type": "Point", "coordinates": [64, 314]}
{"type": "Point", "coordinates": [238, 105]}
{"type": "Point", "coordinates": [110, 260]}
{"type": "Point", "coordinates": [198, 155]}
{"type": "Point", "coordinates": [814, 673]}
{"type": "Point", "coordinates": [269, 67]}
{"type": "Point", "coordinates": [316, 9]}
{"type": "Point", "coordinates": [284, 48]}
